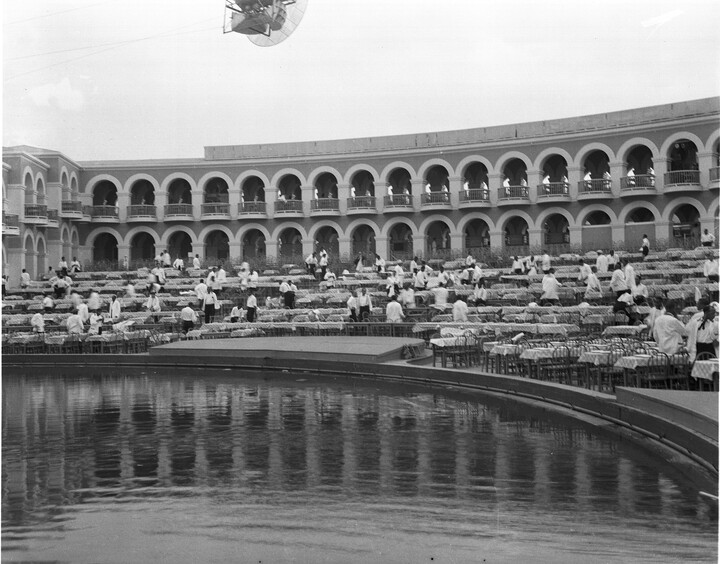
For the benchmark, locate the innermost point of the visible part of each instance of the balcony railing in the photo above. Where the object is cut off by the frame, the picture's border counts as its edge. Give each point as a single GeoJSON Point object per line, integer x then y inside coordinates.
{"type": "Point", "coordinates": [514, 193]}
{"type": "Point", "coordinates": [325, 204]}
{"type": "Point", "coordinates": [475, 195]}
{"type": "Point", "coordinates": [361, 202]}
{"type": "Point", "coordinates": [553, 189]}
{"type": "Point", "coordinates": [399, 201]}
{"type": "Point", "coordinates": [435, 198]}
{"type": "Point", "coordinates": [289, 206]}
{"type": "Point", "coordinates": [70, 206]}
{"type": "Point", "coordinates": [714, 173]}
{"type": "Point", "coordinates": [35, 211]}
{"type": "Point", "coordinates": [595, 186]}
{"type": "Point", "coordinates": [638, 182]}
{"type": "Point", "coordinates": [178, 209]}
{"type": "Point", "coordinates": [676, 177]}
{"type": "Point", "coordinates": [217, 208]}
{"type": "Point", "coordinates": [141, 210]}
{"type": "Point", "coordinates": [105, 211]}
{"type": "Point", "coordinates": [53, 215]}
{"type": "Point", "coordinates": [252, 207]}
{"type": "Point", "coordinates": [10, 220]}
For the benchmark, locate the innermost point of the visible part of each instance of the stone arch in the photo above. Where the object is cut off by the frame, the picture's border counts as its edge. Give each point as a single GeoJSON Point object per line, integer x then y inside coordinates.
{"type": "Point", "coordinates": [673, 205]}
{"type": "Point", "coordinates": [141, 229]}
{"type": "Point", "coordinates": [385, 231]}
{"type": "Point", "coordinates": [290, 249]}
{"type": "Point", "coordinates": [95, 180]}
{"type": "Point", "coordinates": [41, 193]}
{"type": "Point", "coordinates": [323, 223]}
{"type": "Point", "coordinates": [432, 219]}
{"type": "Point", "coordinates": [41, 253]}
{"type": "Point", "coordinates": [141, 176]}
{"type": "Point", "coordinates": [168, 233]}
{"type": "Point", "coordinates": [467, 218]}
{"type": "Point", "coordinates": [284, 172]}
{"type": "Point", "coordinates": [543, 215]}
{"type": "Point", "coordinates": [630, 207]}
{"type": "Point", "coordinates": [215, 227]}
{"type": "Point", "coordinates": [437, 235]}
{"type": "Point", "coordinates": [400, 245]}
{"type": "Point", "coordinates": [319, 171]}
{"type": "Point", "coordinates": [347, 179]}
{"type": "Point", "coordinates": [165, 184]}
{"type": "Point", "coordinates": [712, 139]}
{"type": "Point", "coordinates": [384, 175]}
{"type": "Point", "coordinates": [248, 174]}
{"type": "Point", "coordinates": [73, 184]}
{"type": "Point", "coordinates": [549, 152]}
{"type": "Point", "coordinates": [678, 136]}
{"type": "Point", "coordinates": [504, 218]}
{"type": "Point", "coordinates": [360, 222]}
{"type": "Point", "coordinates": [430, 163]}
{"type": "Point", "coordinates": [64, 177]}
{"type": "Point", "coordinates": [508, 156]}
{"type": "Point", "coordinates": [212, 196]}
{"type": "Point", "coordinates": [284, 225]}
{"type": "Point", "coordinates": [105, 246]}
{"type": "Point", "coordinates": [142, 244]}
{"type": "Point", "coordinates": [467, 161]}
{"type": "Point", "coordinates": [585, 150]}
{"type": "Point", "coordinates": [214, 174]}
{"type": "Point", "coordinates": [250, 227]}
{"type": "Point", "coordinates": [588, 209]}
{"type": "Point", "coordinates": [95, 233]}
{"type": "Point", "coordinates": [630, 144]}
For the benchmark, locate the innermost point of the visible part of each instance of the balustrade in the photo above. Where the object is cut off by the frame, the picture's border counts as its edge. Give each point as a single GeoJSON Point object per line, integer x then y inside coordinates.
{"type": "Point", "coordinates": [553, 189]}
{"type": "Point", "coordinates": [252, 207]}
{"type": "Point", "coordinates": [638, 182]}
{"type": "Point", "coordinates": [399, 200]}
{"type": "Point", "coordinates": [682, 177]}
{"type": "Point", "coordinates": [325, 204]}
{"type": "Point", "coordinates": [141, 211]}
{"type": "Point", "coordinates": [70, 206]}
{"type": "Point", "coordinates": [216, 208]}
{"type": "Point", "coordinates": [364, 202]}
{"type": "Point", "coordinates": [436, 198]}
{"type": "Point", "coordinates": [288, 206]}
{"type": "Point", "coordinates": [475, 195]}
{"type": "Point", "coordinates": [514, 193]}
{"type": "Point", "coordinates": [104, 211]}
{"type": "Point", "coordinates": [595, 186]}
{"type": "Point", "coordinates": [178, 209]}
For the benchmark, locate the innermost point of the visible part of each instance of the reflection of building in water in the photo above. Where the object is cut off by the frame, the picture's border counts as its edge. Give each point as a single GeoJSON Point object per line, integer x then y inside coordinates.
{"type": "Point", "coordinates": [106, 435]}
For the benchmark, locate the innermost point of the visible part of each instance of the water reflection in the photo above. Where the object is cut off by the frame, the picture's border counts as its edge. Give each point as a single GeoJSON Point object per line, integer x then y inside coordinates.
{"type": "Point", "coordinates": [464, 470]}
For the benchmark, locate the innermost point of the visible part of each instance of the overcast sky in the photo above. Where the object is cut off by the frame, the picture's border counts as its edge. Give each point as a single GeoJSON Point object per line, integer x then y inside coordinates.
{"type": "Point", "coordinates": [131, 79]}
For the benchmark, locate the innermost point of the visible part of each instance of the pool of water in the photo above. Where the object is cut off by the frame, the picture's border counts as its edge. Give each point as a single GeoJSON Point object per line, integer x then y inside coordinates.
{"type": "Point", "coordinates": [221, 466]}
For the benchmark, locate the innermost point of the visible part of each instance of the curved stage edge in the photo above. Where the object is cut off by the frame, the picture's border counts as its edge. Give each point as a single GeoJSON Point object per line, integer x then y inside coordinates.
{"type": "Point", "coordinates": [685, 422]}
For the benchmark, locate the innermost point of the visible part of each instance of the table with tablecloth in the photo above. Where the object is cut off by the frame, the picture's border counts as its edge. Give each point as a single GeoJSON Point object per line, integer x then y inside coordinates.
{"type": "Point", "coordinates": [626, 330]}
{"type": "Point", "coordinates": [706, 370]}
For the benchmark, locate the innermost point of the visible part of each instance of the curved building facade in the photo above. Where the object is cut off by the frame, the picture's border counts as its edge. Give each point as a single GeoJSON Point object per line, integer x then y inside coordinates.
{"type": "Point", "coordinates": [581, 183]}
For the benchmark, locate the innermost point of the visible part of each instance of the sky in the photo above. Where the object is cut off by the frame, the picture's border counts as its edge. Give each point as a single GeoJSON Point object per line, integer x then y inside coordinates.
{"type": "Point", "coordinates": [149, 79]}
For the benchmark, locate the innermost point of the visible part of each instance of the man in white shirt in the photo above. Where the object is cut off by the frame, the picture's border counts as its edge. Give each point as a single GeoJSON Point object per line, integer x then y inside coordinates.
{"type": "Point", "coordinates": [251, 305]}
{"type": "Point", "coordinates": [210, 304]}
{"type": "Point", "coordinates": [593, 284]}
{"type": "Point", "coordinates": [75, 265]}
{"type": "Point", "coordinates": [631, 176]}
{"type": "Point", "coordinates": [629, 273]}
{"type": "Point", "coordinates": [601, 262]}
{"type": "Point", "coordinates": [668, 331]}
{"type": "Point", "coordinates": [711, 269]}
{"type": "Point", "coordinates": [545, 259]}
{"type": "Point", "coordinates": [74, 325]}
{"type": "Point", "coordinates": [83, 313]}
{"type": "Point", "coordinates": [352, 307]}
{"type": "Point", "coordinates": [38, 323]}
{"type": "Point", "coordinates": [399, 274]}
{"type": "Point", "coordinates": [585, 271]}
{"type": "Point", "coordinates": [201, 290]}
{"type": "Point", "coordinates": [62, 265]}
{"type": "Point", "coordinates": [364, 304]}
{"type": "Point", "coordinates": [469, 260]}
{"type": "Point", "coordinates": [188, 318]}
{"type": "Point", "coordinates": [253, 279]}
{"type": "Point", "coordinates": [379, 264]}
{"type": "Point", "coordinates": [311, 263]}
{"type": "Point", "coordinates": [441, 295]}
{"type": "Point", "coordinates": [93, 302]}
{"type": "Point", "coordinates": [407, 297]}
{"type": "Point", "coordinates": [546, 183]}
{"type": "Point", "coordinates": [707, 239]}
{"type": "Point", "coordinates": [588, 180]}
{"type": "Point", "coordinates": [114, 309]}
{"type": "Point", "coordinates": [550, 286]}
{"type": "Point", "coordinates": [196, 262]}
{"type": "Point", "coordinates": [626, 303]}
{"type": "Point", "coordinates": [48, 304]}
{"type": "Point", "coordinates": [460, 310]}
{"type": "Point", "coordinates": [393, 311]}
{"type": "Point", "coordinates": [639, 291]}
{"type": "Point", "coordinates": [618, 284]}
{"type": "Point", "coordinates": [517, 266]}
{"type": "Point", "coordinates": [24, 279]}
{"type": "Point", "coordinates": [443, 277]}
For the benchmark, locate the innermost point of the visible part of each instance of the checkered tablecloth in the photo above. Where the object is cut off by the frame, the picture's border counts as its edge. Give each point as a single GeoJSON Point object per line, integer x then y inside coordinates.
{"type": "Point", "coordinates": [504, 350]}
{"type": "Point", "coordinates": [633, 362]}
{"type": "Point", "coordinates": [704, 369]}
{"type": "Point", "coordinates": [537, 354]}
{"type": "Point", "coordinates": [624, 330]}
{"type": "Point", "coordinates": [598, 358]}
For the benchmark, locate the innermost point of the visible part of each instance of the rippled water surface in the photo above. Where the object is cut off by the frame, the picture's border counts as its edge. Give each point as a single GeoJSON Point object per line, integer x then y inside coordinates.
{"type": "Point", "coordinates": [216, 466]}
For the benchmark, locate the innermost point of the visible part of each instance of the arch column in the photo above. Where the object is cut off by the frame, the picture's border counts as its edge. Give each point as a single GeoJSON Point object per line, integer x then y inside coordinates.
{"type": "Point", "coordinates": [705, 163]}
{"type": "Point", "coordinates": [617, 171]}
{"type": "Point", "coordinates": [234, 201]}
{"type": "Point", "coordinates": [123, 201]}
{"type": "Point", "coordinates": [344, 243]}
{"type": "Point", "coordinates": [161, 200]}
{"type": "Point", "coordinates": [198, 249]}
{"type": "Point", "coordinates": [575, 175]}
{"type": "Point", "coordinates": [16, 200]}
{"type": "Point", "coordinates": [535, 238]}
{"type": "Point", "coordinates": [381, 246]}
{"type": "Point", "coordinates": [123, 255]}
{"type": "Point", "coordinates": [308, 246]}
{"type": "Point", "coordinates": [457, 242]}
{"type": "Point", "coordinates": [198, 197]}
{"type": "Point", "coordinates": [234, 250]}
{"type": "Point", "coordinates": [54, 195]}
{"type": "Point", "coordinates": [455, 188]}
{"type": "Point", "coordinates": [576, 236]}
{"type": "Point", "coordinates": [618, 233]}
{"type": "Point", "coordinates": [534, 180]}
{"type": "Point", "coordinates": [308, 194]}
{"type": "Point", "coordinates": [660, 166]}
{"type": "Point", "coordinates": [495, 181]}
{"type": "Point", "coordinates": [418, 189]}
{"type": "Point", "coordinates": [497, 240]}
{"type": "Point", "coordinates": [343, 195]}
{"type": "Point", "coordinates": [271, 251]}
{"type": "Point", "coordinates": [663, 231]}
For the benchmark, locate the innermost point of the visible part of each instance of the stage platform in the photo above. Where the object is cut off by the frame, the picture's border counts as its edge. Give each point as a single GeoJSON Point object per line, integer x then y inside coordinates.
{"type": "Point", "coordinates": [339, 349]}
{"type": "Point", "coordinates": [697, 411]}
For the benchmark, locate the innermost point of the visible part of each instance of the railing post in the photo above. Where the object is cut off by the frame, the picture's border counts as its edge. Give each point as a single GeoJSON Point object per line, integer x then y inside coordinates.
{"type": "Point", "coordinates": [495, 186]}
{"type": "Point", "coordinates": [617, 171]}
{"type": "Point", "coordinates": [455, 189]}
{"type": "Point", "coordinates": [534, 179]}
{"type": "Point", "coordinates": [574, 177]}
{"type": "Point", "coordinates": [308, 195]}
{"type": "Point", "coordinates": [660, 165]}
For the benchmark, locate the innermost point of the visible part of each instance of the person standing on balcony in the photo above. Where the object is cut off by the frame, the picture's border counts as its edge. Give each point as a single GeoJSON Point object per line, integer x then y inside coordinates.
{"type": "Point", "coordinates": [587, 179]}
{"type": "Point", "coordinates": [651, 176]}
{"type": "Point", "coordinates": [631, 177]}
{"type": "Point", "coordinates": [546, 183]}
{"type": "Point", "coordinates": [428, 189]}
{"type": "Point", "coordinates": [445, 193]}
{"type": "Point", "coordinates": [566, 184]}
{"type": "Point", "coordinates": [607, 184]}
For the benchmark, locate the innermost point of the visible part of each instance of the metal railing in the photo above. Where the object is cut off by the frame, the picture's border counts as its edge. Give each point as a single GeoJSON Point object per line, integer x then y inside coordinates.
{"type": "Point", "coordinates": [475, 195]}
{"type": "Point", "coordinates": [53, 215]}
{"type": "Point", "coordinates": [514, 193]}
{"type": "Point", "coordinates": [553, 189]}
{"type": "Point", "coordinates": [714, 173]}
{"type": "Point", "coordinates": [638, 182]}
{"type": "Point", "coordinates": [325, 204]}
{"type": "Point", "coordinates": [178, 209]}
{"type": "Point", "coordinates": [361, 202]}
{"type": "Point", "coordinates": [141, 210]}
{"type": "Point", "coordinates": [105, 211]}
{"type": "Point", "coordinates": [252, 207]}
{"type": "Point", "coordinates": [10, 220]}
{"type": "Point", "coordinates": [399, 201]}
{"type": "Point", "coordinates": [595, 186]}
{"type": "Point", "coordinates": [218, 208]}
{"type": "Point", "coordinates": [35, 210]}
{"type": "Point", "coordinates": [682, 177]}
{"type": "Point", "coordinates": [289, 206]}
{"type": "Point", "coordinates": [435, 198]}
{"type": "Point", "coordinates": [69, 206]}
